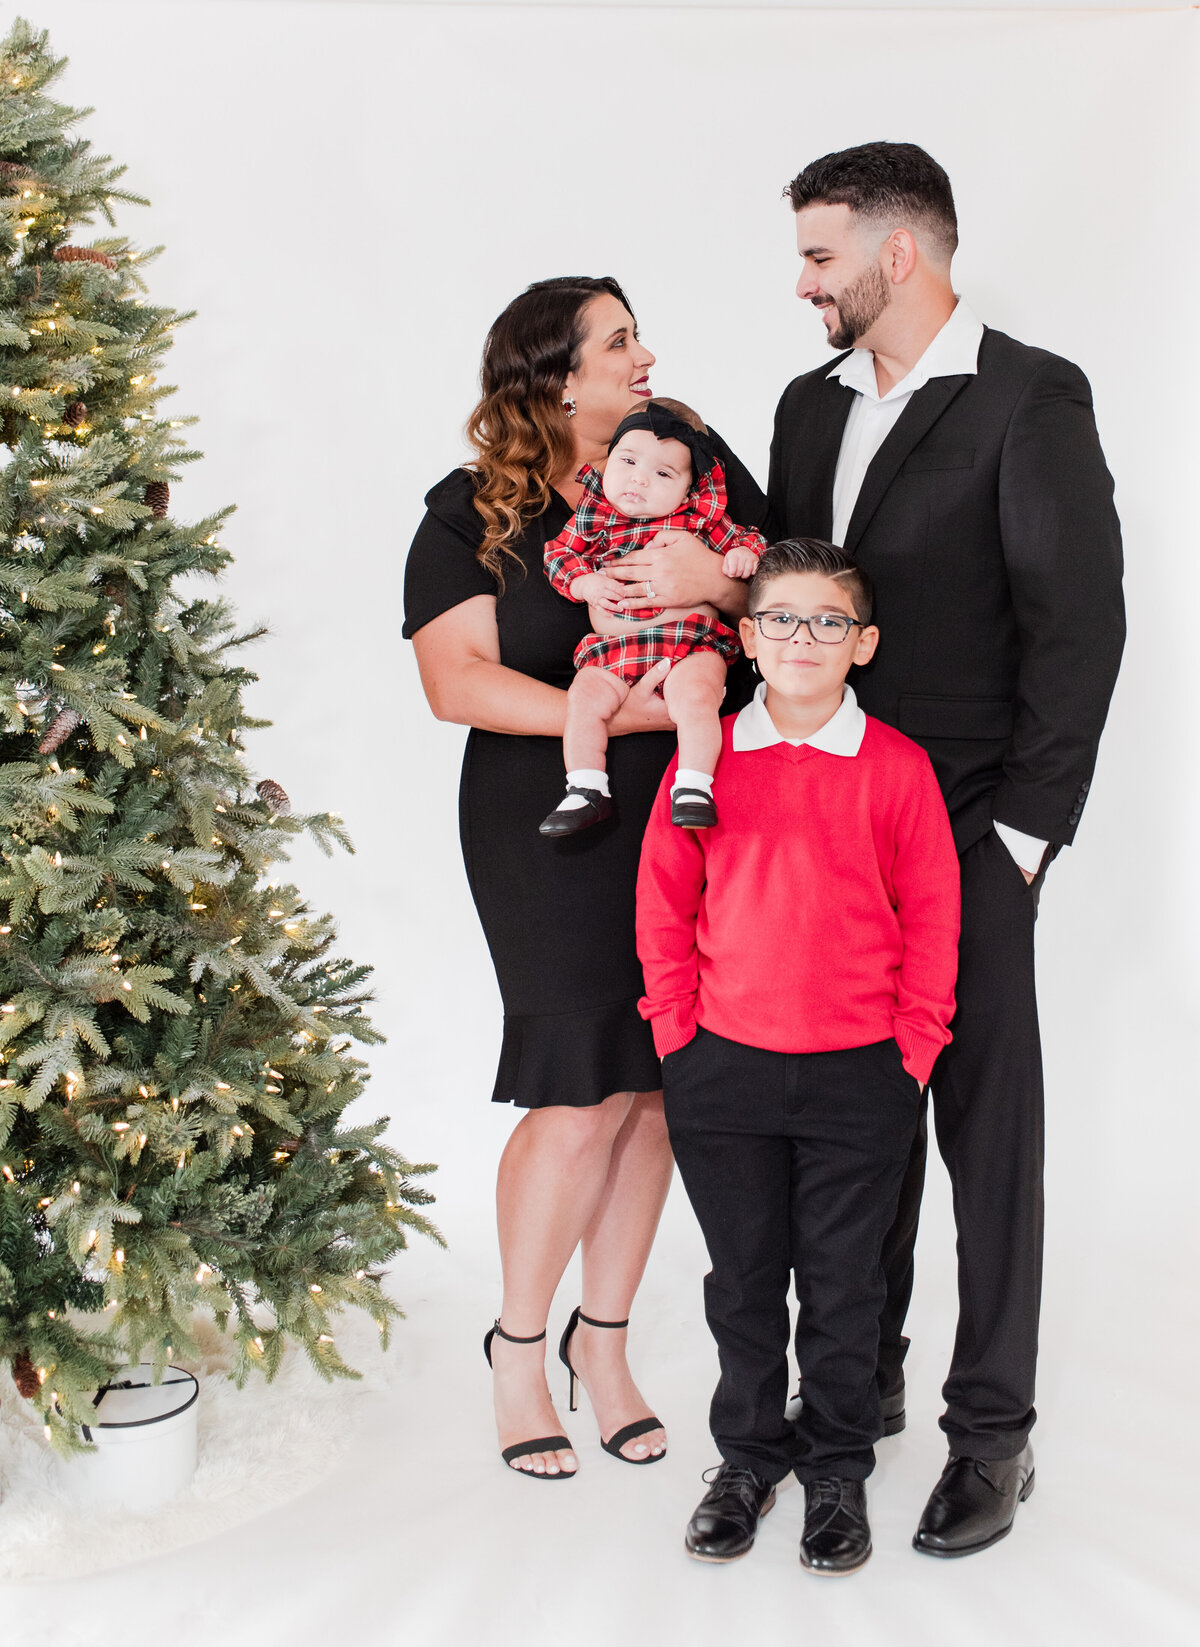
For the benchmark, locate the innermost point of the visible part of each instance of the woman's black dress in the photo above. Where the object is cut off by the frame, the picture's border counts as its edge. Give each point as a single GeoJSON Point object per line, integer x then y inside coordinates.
{"type": "Point", "coordinates": [558, 915]}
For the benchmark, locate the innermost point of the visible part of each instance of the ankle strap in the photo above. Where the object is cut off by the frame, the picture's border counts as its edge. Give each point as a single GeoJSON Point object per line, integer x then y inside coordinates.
{"type": "Point", "coordinates": [509, 1338]}
{"type": "Point", "coordinates": [592, 1322]}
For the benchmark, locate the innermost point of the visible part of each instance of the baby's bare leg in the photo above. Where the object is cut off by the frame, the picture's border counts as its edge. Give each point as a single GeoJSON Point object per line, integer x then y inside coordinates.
{"type": "Point", "coordinates": [693, 691]}
{"type": "Point", "coordinates": [594, 697]}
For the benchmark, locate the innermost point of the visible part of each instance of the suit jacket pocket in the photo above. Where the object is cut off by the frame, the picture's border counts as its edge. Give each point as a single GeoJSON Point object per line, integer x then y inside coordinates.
{"type": "Point", "coordinates": [946, 458]}
{"type": "Point", "coordinates": [956, 717]}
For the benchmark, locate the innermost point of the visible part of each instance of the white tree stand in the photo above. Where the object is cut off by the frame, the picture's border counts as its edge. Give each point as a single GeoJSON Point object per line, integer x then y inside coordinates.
{"type": "Point", "coordinates": [145, 1437]}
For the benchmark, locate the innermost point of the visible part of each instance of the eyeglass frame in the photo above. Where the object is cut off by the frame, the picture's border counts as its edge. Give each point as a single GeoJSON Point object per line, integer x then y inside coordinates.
{"type": "Point", "coordinates": [807, 622]}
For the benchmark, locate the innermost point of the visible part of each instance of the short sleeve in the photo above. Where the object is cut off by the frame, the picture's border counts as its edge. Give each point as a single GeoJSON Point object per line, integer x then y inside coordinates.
{"type": "Point", "coordinates": [747, 504]}
{"type": "Point", "coordinates": [442, 570]}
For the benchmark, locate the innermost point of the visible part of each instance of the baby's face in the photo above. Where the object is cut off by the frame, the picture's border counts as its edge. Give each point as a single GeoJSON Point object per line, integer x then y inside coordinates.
{"type": "Point", "coordinates": [646, 477]}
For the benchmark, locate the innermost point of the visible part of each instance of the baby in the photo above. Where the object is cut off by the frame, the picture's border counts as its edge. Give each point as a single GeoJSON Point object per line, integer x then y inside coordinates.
{"type": "Point", "coordinates": [662, 474]}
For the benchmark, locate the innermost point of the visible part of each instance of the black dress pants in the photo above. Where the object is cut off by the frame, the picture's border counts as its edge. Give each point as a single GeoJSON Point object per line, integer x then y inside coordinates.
{"type": "Point", "coordinates": [793, 1164]}
{"type": "Point", "coordinates": [988, 1113]}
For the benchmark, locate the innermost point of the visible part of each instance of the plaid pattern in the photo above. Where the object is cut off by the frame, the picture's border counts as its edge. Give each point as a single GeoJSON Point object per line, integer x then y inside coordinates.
{"type": "Point", "coordinates": [630, 656]}
{"type": "Point", "coordinates": [598, 534]}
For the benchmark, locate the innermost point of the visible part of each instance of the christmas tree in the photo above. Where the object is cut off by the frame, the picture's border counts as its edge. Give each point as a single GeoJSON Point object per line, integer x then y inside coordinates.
{"type": "Point", "coordinates": [174, 1027]}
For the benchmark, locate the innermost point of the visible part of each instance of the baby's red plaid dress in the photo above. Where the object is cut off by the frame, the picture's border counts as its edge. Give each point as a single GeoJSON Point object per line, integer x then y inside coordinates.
{"type": "Point", "coordinates": [598, 533]}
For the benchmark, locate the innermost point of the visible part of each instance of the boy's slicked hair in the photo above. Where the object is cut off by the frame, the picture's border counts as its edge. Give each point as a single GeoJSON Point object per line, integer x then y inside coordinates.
{"type": "Point", "coordinates": [812, 555]}
{"type": "Point", "coordinates": [896, 184]}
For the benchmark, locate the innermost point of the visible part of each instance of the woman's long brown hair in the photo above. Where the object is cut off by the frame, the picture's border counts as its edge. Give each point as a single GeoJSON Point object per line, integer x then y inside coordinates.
{"type": "Point", "coordinates": [519, 428]}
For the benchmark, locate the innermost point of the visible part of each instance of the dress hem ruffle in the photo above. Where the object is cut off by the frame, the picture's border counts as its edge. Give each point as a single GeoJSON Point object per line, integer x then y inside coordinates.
{"type": "Point", "coordinates": [575, 1058]}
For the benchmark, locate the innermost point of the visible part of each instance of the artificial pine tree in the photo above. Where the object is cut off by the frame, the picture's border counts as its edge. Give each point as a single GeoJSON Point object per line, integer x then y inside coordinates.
{"type": "Point", "coordinates": [174, 1030]}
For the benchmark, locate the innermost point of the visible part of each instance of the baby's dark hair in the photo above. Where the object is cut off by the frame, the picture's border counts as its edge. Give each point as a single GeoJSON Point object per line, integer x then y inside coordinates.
{"type": "Point", "coordinates": [684, 413]}
{"type": "Point", "coordinates": [812, 555]}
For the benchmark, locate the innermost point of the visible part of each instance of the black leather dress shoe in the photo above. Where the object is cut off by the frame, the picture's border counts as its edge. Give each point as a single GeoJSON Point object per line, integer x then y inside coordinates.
{"type": "Point", "coordinates": [727, 1517]}
{"type": "Point", "coordinates": [693, 809]}
{"type": "Point", "coordinates": [837, 1536]}
{"type": "Point", "coordinates": [974, 1503]}
{"type": "Point", "coordinates": [569, 820]}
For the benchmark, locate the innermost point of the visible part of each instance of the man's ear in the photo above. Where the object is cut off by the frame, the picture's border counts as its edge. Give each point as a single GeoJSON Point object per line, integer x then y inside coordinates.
{"type": "Point", "coordinates": [748, 630]}
{"type": "Point", "coordinates": [899, 256]}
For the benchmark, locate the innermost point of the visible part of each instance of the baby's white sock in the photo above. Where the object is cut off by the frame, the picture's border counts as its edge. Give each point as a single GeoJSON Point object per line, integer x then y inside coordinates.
{"type": "Point", "coordinates": [585, 777]}
{"type": "Point", "coordinates": [685, 778]}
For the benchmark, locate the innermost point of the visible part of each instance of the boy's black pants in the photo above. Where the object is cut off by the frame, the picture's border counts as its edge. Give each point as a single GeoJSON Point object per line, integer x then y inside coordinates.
{"type": "Point", "coordinates": [793, 1164]}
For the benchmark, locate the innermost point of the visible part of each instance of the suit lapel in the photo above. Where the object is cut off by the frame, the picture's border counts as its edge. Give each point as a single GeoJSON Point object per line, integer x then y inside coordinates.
{"type": "Point", "coordinates": [815, 460]}
{"type": "Point", "coordinates": [913, 424]}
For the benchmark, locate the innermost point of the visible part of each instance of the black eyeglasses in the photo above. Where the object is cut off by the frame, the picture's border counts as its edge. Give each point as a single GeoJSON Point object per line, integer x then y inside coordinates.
{"type": "Point", "coordinates": [830, 628]}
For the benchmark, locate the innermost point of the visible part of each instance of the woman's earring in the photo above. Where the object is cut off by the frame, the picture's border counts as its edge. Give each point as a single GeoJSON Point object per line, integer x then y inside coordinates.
{"type": "Point", "coordinates": [569, 406]}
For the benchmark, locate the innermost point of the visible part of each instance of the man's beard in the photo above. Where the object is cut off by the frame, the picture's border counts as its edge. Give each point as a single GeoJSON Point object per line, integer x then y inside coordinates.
{"type": "Point", "coordinates": [859, 307]}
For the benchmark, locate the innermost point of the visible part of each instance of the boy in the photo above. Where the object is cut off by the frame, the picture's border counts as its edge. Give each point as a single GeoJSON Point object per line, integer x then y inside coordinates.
{"type": "Point", "coordinates": [799, 963]}
{"type": "Point", "coordinates": [662, 473]}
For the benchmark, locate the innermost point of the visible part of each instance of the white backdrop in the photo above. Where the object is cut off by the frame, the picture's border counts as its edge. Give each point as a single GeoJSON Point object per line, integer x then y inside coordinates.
{"type": "Point", "coordinates": [348, 194]}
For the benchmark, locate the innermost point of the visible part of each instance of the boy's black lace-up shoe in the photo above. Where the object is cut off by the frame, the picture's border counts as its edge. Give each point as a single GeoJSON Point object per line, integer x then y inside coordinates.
{"type": "Point", "coordinates": [727, 1517]}
{"type": "Point", "coordinates": [836, 1537]}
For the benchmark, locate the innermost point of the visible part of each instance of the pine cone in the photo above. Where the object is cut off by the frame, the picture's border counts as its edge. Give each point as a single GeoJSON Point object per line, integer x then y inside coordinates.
{"type": "Point", "coordinates": [59, 730]}
{"type": "Point", "coordinates": [158, 496]}
{"type": "Point", "coordinates": [75, 414]}
{"type": "Point", "coordinates": [83, 254]}
{"type": "Point", "coordinates": [25, 1376]}
{"type": "Point", "coordinates": [13, 169]}
{"type": "Point", "coordinates": [275, 795]}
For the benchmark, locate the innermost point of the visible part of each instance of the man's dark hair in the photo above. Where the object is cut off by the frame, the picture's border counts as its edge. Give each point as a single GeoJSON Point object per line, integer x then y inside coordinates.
{"type": "Point", "coordinates": [896, 184]}
{"type": "Point", "coordinates": [812, 555]}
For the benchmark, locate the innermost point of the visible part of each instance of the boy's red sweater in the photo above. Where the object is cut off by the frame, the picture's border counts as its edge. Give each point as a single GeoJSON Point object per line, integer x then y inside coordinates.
{"type": "Point", "coordinates": [821, 912]}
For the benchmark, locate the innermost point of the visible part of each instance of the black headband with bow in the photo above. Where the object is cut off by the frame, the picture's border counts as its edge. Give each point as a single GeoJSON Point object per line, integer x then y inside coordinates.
{"type": "Point", "coordinates": [665, 425]}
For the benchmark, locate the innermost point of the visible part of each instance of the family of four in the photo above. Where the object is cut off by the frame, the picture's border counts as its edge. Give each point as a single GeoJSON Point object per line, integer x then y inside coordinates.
{"type": "Point", "coordinates": [756, 953]}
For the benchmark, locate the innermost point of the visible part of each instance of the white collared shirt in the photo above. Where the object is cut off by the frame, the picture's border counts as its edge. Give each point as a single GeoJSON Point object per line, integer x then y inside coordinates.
{"type": "Point", "coordinates": [842, 733]}
{"type": "Point", "coordinates": [953, 352]}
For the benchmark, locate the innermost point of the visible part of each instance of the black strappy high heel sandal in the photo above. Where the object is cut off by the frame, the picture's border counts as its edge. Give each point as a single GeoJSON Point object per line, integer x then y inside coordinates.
{"type": "Point", "coordinates": [627, 1432]}
{"type": "Point", "coordinates": [543, 1443]}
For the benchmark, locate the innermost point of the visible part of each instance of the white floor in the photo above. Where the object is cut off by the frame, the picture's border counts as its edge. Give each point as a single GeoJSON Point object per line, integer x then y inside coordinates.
{"type": "Point", "coordinates": [419, 1536]}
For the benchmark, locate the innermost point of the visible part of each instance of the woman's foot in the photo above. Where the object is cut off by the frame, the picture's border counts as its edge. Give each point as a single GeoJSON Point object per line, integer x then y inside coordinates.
{"type": "Point", "coordinates": [598, 1356]}
{"type": "Point", "coordinates": [523, 1406]}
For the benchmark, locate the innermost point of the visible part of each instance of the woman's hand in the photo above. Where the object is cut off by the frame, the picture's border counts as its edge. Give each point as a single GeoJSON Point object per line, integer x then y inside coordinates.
{"type": "Point", "coordinates": [676, 569]}
{"type": "Point", "coordinates": [643, 710]}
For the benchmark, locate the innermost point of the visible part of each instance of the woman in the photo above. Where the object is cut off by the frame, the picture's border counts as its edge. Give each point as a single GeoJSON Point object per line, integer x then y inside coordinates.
{"type": "Point", "coordinates": [589, 1163]}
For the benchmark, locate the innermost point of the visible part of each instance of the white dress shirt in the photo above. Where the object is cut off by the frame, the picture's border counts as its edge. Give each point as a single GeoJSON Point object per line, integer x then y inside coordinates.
{"type": "Point", "coordinates": [842, 733]}
{"type": "Point", "coordinates": [954, 352]}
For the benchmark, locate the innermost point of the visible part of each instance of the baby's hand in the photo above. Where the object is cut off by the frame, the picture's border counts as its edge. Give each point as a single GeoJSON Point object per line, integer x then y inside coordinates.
{"type": "Point", "coordinates": [739, 563]}
{"type": "Point", "coordinates": [598, 589]}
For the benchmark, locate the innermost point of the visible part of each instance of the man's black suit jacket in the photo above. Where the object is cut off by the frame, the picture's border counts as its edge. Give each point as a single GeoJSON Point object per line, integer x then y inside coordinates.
{"type": "Point", "coordinates": [986, 523]}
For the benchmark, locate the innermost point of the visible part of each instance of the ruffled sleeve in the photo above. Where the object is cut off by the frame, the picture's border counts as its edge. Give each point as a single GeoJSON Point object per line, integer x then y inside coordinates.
{"type": "Point", "coordinates": [441, 570]}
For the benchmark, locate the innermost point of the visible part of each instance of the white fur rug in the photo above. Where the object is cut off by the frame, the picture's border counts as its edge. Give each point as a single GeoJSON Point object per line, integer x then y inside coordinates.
{"type": "Point", "coordinates": [258, 1447]}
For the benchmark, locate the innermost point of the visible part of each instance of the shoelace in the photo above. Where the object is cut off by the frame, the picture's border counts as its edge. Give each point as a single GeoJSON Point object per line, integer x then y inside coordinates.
{"type": "Point", "coordinates": [732, 1478]}
{"type": "Point", "coordinates": [824, 1492]}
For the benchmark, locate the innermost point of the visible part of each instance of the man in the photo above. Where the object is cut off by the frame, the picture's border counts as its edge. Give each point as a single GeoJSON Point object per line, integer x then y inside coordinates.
{"type": "Point", "coordinates": [962, 470]}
